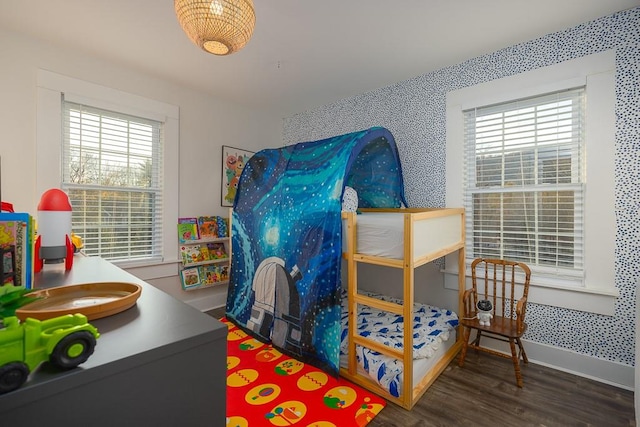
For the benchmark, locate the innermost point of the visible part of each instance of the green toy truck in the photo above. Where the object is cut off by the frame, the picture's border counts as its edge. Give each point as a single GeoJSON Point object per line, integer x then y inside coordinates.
{"type": "Point", "coordinates": [65, 341]}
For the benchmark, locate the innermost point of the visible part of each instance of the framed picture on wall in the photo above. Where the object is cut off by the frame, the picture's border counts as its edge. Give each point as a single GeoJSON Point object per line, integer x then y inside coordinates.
{"type": "Point", "coordinates": [233, 161]}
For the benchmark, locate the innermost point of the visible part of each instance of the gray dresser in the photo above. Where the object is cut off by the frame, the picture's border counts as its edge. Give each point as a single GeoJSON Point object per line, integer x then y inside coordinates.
{"type": "Point", "coordinates": [159, 363]}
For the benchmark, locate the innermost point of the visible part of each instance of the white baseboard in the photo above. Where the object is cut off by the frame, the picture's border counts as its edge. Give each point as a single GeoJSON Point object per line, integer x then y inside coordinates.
{"type": "Point", "coordinates": [612, 373]}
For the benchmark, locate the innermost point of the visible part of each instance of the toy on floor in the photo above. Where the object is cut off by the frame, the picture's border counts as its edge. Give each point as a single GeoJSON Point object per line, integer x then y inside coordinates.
{"type": "Point", "coordinates": [484, 315]}
{"type": "Point", "coordinates": [65, 341]}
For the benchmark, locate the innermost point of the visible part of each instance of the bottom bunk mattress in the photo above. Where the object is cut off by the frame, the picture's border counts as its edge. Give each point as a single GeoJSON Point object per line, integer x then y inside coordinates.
{"type": "Point", "coordinates": [433, 335]}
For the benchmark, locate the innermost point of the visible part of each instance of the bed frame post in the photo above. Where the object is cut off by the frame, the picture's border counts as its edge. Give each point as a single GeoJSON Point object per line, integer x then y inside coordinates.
{"type": "Point", "coordinates": [462, 282]}
{"type": "Point", "coordinates": [352, 283]}
{"type": "Point", "coordinates": [407, 313]}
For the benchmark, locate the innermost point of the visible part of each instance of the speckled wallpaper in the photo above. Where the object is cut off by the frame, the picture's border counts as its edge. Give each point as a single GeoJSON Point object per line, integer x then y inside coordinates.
{"type": "Point", "coordinates": [414, 111]}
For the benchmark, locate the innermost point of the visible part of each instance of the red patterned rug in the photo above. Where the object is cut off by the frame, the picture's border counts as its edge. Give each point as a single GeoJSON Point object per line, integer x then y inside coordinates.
{"type": "Point", "coordinates": [265, 387]}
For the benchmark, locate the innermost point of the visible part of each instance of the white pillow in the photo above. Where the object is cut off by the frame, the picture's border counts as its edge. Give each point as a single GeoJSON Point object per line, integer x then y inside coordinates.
{"type": "Point", "coordinates": [349, 200]}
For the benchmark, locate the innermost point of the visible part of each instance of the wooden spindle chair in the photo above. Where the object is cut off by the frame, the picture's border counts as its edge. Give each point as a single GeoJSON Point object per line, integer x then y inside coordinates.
{"type": "Point", "coordinates": [495, 280]}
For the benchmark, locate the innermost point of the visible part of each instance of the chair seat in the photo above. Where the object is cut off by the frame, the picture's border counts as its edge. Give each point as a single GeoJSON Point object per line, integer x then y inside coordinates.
{"type": "Point", "coordinates": [502, 326]}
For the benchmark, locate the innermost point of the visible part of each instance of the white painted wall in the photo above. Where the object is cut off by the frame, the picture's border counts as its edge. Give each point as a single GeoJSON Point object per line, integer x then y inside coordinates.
{"type": "Point", "coordinates": [206, 124]}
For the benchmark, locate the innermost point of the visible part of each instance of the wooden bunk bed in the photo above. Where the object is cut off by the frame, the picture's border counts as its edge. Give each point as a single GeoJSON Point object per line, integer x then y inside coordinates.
{"type": "Point", "coordinates": [428, 234]}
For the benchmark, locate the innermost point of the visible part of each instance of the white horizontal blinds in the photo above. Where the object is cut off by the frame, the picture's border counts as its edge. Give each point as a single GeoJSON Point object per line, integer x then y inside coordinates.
{"type": "Point", "coordinates": [524, 181]}
{"type": "Point", "coordinates": [112, 171]}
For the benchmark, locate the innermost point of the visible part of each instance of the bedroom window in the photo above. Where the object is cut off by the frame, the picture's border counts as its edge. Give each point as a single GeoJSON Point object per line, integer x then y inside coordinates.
{"type": "Point", "coordinates": [524, 181]}
{"type": "Point", "coordinates": [112, 172]}
{"type": "Point", "coordinates": [543, 183]}
{"type": "Point", "coordinates": [117, 156]}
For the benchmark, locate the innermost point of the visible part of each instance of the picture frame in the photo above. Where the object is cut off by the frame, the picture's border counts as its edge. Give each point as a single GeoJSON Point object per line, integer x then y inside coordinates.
{"type": "Point", "coordinates": [233, 161]}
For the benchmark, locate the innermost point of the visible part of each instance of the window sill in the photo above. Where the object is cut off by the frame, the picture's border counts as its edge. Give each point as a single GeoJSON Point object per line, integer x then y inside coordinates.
{"type": "Point", "coordinates": [590, 300]}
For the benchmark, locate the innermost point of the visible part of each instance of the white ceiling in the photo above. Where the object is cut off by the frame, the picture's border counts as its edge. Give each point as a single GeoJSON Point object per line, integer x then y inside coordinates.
{"type": "Point", "coordinates": [304, 53]}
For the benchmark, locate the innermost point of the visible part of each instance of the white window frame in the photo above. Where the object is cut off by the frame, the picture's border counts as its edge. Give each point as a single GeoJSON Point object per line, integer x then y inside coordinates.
{"type": "Point", "coordinates": [597, 291]}
{"type": "Point", "coordinates": [51, 86]}
{"type": "Point", "coordinates": [536, 186]}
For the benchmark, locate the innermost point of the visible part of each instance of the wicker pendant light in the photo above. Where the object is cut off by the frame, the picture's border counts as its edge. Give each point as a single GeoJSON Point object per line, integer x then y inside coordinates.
{"type": "Point", "coordinates": [220, 27]}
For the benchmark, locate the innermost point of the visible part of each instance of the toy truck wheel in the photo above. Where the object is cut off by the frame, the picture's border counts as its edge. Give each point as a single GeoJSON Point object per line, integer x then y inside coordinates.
{"type": "Point", "coordinates": [73, 350]}
{"type": "Point", "coordinates": [12, 376]}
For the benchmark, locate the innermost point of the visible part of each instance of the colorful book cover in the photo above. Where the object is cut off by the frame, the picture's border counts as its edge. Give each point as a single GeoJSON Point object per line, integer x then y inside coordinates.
{"type": "Point", "coordinates": [223, 228]}
{"type": "Point", "coordinates": [8, 266]}
{"type": "Point", "coordinates": [16, 241]}
{"type": "Point", "coordinates": [208, 227]}
{"type": "Point", "coordinates": [224, 272]}
{"type": "Point", "coordinates": [187, 230]}
{"type": "Point", "coordinates": [213, 273]}
{"type": "Point", "coordinates": [190, 254]}
{"type": "Point", "coordinates": [190, 277]}
{"type": "Point", "coordinates": [216, 250]}
{"type": "Point", "coordinates": [204, 254]}
{"type": "Point", "coordinates": [210, 274]}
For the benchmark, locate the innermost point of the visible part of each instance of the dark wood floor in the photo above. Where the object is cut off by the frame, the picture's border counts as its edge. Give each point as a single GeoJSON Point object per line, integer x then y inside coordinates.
{"type": "Point", "coordinates": [483, 393]}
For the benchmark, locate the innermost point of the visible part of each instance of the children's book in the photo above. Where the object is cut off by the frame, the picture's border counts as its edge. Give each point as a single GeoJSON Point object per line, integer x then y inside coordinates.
{"type": "Point", "coordinates": [190, 254]}
{"type": "Point", "coordinates": [16, 241]}
{"type": "Point", "coordinates": [194, 253]}
{"type": "Point", "coordinates": [208, 227]}
{"type": "Point", "coordinates": [204, 253]}
{"type": "Point", "coordinates": [187, 230]}
{"type": "Point", "coordinates": [224, 272]}
{"type": "Point", "coordinates": [223, 228]}
{"type": "Point", "coordinates": [216, 250]}
{"type": "Point", "coordinates": [210, 274]}
{"type": "Point", "coordinates": [190, 277]}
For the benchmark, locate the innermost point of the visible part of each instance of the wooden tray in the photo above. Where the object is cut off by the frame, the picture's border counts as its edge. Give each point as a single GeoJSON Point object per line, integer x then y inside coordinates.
{"type": "Point", "coordinates": [94, 300]}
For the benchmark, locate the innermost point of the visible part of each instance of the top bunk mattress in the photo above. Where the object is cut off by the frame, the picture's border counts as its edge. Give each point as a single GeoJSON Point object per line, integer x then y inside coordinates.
{"type": "Point", "coordinates": [382, 234]}
{"type": "Point", "coordinates": [379, 234]}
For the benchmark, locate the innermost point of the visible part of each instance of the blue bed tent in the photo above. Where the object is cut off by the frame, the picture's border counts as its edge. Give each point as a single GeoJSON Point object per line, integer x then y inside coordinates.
{"type": "Point", "coordinates": [287, 237]}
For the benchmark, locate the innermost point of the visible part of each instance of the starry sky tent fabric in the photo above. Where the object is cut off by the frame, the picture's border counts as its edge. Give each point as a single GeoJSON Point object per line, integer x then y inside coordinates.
{"type": "Point", "coordinates": [287, 238]}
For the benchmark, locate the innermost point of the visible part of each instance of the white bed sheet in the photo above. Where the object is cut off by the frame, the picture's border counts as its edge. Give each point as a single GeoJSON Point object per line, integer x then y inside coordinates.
{"type": "Point", "coordinates": [379, 234]}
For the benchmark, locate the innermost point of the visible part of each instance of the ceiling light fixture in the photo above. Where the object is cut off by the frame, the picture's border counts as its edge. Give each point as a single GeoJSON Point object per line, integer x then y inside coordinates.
{"type": "Point", "coordinates": [220, 27]}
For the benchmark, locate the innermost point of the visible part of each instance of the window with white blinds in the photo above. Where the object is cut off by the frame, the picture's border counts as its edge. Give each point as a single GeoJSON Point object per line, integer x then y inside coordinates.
{"type": "Point", "coordinates": [112, 172]}
{"type": "Point", "coordinates": [524, 181]}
